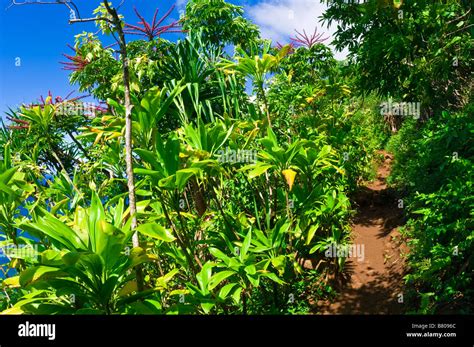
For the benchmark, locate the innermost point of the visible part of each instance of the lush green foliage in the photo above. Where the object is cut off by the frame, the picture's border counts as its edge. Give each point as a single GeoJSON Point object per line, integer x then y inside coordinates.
{"type": "Point", "coordinates": [410, 50]}
{"type": "Point", "coordinates": [435, 167]}
{"type": "Point", "coordinates": [220, 23]}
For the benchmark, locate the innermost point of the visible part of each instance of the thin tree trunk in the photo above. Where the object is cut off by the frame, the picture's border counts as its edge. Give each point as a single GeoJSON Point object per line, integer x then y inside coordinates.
{"type": "Point", "coordinates": [265, 104]}
{"type": "Point", "coordinates": [128, 132]}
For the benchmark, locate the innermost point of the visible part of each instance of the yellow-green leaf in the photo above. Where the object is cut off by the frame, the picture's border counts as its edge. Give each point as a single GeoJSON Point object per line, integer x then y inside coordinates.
{"type": "Point", "coordinates": [156, 231]}
{"type": "Point", "coordinates": [128, 288]}
{"type": "Point", "coordinates": [12, 282]}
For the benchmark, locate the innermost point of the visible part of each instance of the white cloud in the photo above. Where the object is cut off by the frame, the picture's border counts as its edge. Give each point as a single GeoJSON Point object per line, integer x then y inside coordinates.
{"type": "Point", "coordinates": [181, 6]}
{"type": "Point", "coordinates": [181, 3]}
{"type": "Point", "coordinates": [278, 19]}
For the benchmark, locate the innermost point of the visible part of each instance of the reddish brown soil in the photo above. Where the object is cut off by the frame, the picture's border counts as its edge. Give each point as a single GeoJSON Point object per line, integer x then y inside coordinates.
{"type": "Point", "coordinates": [373, 285]}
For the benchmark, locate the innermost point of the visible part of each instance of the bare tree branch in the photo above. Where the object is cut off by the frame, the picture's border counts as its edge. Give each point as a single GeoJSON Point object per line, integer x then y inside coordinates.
{"type": "Point", "coordinates": [67, 3]}
{"type": "Point", "coordinates": [84, 20]}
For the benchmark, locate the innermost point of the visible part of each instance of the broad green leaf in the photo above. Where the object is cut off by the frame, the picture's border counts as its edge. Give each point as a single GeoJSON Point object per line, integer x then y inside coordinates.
{"type": "Point", "coordinates": [218, 278]}
{"type": "Point", "coordinates": [259, 170]}
{"type": "Point", "coordinates": [219, 255]}
{"type": "Point", "coordinates": [12, 282]}
{"type": "Point", "coordinates": [251, 269]}
{"type": "Point", "coordinates": [51, 257]}
{"type": "Point", "coordinates": [156, 231]}
{"type": "Point", "coordinates": [34, 273]}
{"type": "Point", "coordinates": [128, 288]}
{"type": "Point", "coordinates": [56, 230]}
{"type": "Point", "coordinates": [96, 215]}
{"type": "Point", "coordinates": [311, 233]}
{"type": "Point", "coordinates": [204, 276]}
{"type": "Point", "coordinates": [245, 246]}
{"type": "Point", "coordinates": [224, 292]}
{"type": "Point", "coordinates": [182, 176]}
{"type": "Point", "coordinates": [273, 277]}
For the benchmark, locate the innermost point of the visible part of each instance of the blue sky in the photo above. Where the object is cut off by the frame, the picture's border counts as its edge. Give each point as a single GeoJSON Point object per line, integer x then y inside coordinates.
{"type": "Point", "coordinates": [35, 36]}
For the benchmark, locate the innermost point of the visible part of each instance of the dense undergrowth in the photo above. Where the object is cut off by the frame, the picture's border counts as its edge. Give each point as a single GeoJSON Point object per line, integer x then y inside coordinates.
{"type": "Point", "coordinates": [434, 167]}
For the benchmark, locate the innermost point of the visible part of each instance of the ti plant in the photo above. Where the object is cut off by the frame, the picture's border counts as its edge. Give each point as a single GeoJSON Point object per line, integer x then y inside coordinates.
{"type": "Point", "coordinates": [85, 265]}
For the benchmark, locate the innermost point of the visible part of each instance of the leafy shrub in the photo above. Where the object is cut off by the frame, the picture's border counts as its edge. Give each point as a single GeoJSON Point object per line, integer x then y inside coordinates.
{"type": "Point", "coordinates": [434, 165]}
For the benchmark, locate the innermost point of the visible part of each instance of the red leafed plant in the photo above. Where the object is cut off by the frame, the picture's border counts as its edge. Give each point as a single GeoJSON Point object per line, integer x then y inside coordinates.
{"type": "Point", "coordinates": [153, 30]}
{"type": "Point", "coordinates": [22, 124]}
{"type": "Point", "coordinates": [76, 63]}
{"type": "Point", "coordinates": [303, 39]}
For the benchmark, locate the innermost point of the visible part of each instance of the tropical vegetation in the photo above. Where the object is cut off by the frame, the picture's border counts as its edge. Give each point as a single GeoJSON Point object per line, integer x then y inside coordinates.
{"type": "Point", "coordinates": [202, 181]}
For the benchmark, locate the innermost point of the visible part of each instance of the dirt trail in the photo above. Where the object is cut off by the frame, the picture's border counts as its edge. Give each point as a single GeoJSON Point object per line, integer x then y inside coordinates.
{"type": "Point", "coordinates": [373, 285]}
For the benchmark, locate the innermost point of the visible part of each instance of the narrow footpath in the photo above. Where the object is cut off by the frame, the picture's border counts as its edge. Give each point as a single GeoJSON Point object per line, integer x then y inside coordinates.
{"type": "Point", "coordinates": [373, 286]}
